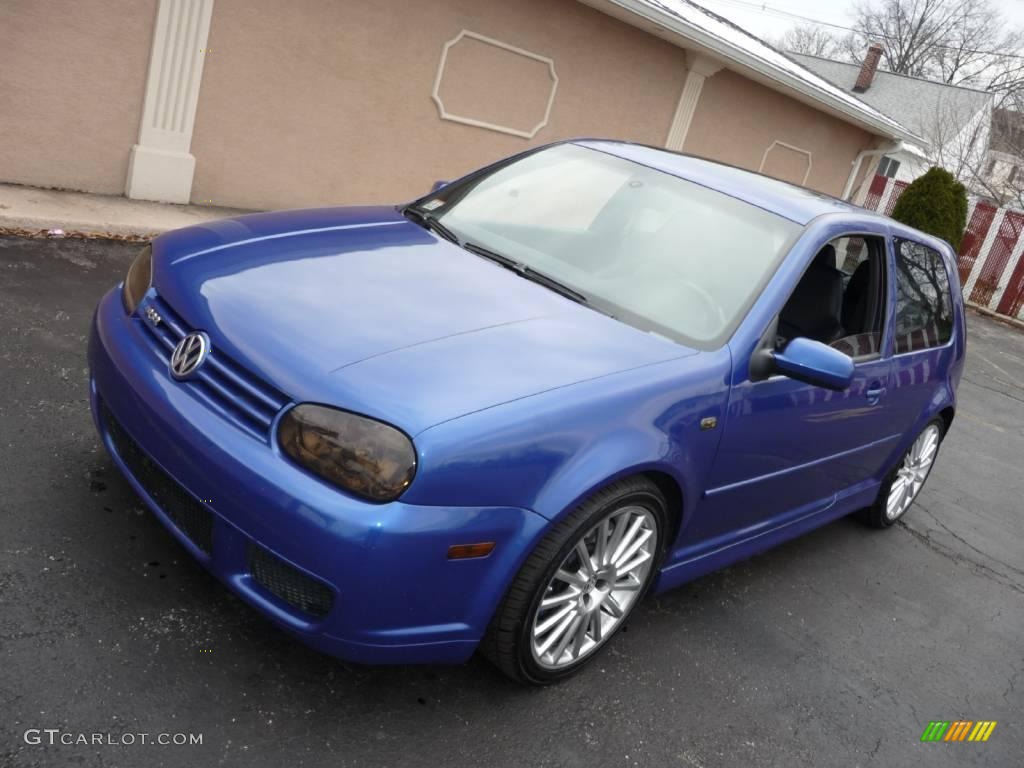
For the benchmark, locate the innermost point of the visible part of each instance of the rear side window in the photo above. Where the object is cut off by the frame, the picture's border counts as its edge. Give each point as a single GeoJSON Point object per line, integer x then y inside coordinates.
{"type": "Point", "coordinates": [924, 305]}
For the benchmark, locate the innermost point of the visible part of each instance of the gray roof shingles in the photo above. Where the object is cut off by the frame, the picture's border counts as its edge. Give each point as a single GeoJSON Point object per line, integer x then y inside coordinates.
{"type": "Point", "coordinates": [912, 101]}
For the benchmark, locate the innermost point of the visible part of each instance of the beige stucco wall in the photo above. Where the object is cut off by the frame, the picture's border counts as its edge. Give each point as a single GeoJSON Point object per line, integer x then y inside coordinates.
{"type": "Point", "coordinates": [320, 101]}
{"type": "Point", "coordinates": [738, 119]}
{"type": "Point", "coordinates": [317, 102]}
{"type": "Point", "coordinates": [72, 76]}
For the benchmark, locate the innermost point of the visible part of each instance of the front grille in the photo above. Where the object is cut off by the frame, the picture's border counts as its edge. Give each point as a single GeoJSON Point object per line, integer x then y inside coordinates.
{"type": "Point", "coordinates": [288, 583]}
{"type": "Point", "coordinates": [223, 384]}
{"type": "Point", "coordinates": [190, 517]}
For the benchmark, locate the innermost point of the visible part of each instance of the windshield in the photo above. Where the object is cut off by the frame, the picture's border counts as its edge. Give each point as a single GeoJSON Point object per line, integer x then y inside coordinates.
{"type": "Point", "coordinates": [651, 249]}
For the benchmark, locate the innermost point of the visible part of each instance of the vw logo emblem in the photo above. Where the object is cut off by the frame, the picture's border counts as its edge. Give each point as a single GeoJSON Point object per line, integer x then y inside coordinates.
{"type": "Point", "coordinates": [189, 354]}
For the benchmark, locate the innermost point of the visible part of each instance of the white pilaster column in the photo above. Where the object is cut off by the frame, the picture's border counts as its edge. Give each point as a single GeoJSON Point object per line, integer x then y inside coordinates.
{"type": "Point", "coordinates": [160, 166]}
{"type": "Point", "coordinates": [700, 69]}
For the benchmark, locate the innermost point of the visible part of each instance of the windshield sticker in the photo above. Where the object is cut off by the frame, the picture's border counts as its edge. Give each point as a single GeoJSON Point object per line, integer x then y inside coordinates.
{"type": "Point", "coordinates": [432, 205]}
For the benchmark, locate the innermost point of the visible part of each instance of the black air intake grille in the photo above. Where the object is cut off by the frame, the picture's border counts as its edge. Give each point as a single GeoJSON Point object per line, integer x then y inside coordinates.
{"type": "Point", "coordinates": [291, 585]}
{"type": "Point", "coordinates": [191, 517]}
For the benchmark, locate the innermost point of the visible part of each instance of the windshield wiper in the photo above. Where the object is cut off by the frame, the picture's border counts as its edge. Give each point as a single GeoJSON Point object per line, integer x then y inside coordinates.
{"type": "Point", "coordinates": [524, 271]}
{"type": "Point", "coordinates": [429, 221]}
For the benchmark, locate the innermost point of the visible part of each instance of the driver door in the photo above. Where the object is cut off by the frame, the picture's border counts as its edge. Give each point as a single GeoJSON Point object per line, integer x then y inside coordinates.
{"type": "Point", "coordinates": [790, 449]}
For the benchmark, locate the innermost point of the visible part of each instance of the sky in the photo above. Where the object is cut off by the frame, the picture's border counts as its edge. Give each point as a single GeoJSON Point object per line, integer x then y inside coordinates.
{"type": "Point", "coordinates": [771, 19]}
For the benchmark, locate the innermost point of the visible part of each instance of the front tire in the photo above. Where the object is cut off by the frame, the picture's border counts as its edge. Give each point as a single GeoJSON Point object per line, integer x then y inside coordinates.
{"type": "Point", "coordinates": [902, 485]}
{"type": "Point", "coordinates": [580, 584]}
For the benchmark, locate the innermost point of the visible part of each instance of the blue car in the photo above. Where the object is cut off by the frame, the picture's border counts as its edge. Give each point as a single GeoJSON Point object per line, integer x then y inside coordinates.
{"type": "Point", "coordinates": [497, 416]}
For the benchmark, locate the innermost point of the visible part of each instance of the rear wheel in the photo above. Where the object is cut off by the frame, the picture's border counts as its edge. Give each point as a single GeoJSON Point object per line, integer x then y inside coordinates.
{"type": "Point", "coordinates": [580, 584]}
{"type": "Point", "coordinates": [904, 483]}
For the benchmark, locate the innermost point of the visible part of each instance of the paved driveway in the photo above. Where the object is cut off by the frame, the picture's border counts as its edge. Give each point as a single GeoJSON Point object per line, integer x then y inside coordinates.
{"type": "Point", "coordinates": [836, 649]}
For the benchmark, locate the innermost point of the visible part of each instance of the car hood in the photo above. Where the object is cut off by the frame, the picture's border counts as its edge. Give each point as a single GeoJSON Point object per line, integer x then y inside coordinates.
{"type": "Point", "coordinates": [363, 309]}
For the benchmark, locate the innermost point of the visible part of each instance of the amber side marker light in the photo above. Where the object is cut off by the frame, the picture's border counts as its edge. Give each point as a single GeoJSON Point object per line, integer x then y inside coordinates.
{"type": "Point", "coordinates": [464, 551]}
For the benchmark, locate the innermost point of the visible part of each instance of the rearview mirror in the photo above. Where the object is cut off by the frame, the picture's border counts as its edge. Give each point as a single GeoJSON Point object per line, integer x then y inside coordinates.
{"type": "Point", "coordinates": [814, 363]}
{"type": "Point", "coordinates": [438, 185]}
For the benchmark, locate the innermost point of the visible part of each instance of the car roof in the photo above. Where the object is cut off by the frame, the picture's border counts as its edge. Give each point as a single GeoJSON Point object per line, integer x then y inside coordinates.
{"type": "Point", "coordinates": [798, 204]}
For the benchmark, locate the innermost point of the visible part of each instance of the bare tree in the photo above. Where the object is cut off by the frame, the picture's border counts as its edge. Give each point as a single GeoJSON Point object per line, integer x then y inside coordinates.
{"type": "Point", "coordinates": [1001, 175]}
{"type": "Point", "coordinates": [957, 141]}
{"type": "Point", "coordinates": [981, 154]}
{"type": "Point", "coordinates": [811, 40]}
{"type": "Point", "coordinates": [908, 30]}
{"type": "Point", "coordinates": [959, 42]}
{"type": "Point", "coordinates": [1006, 82]}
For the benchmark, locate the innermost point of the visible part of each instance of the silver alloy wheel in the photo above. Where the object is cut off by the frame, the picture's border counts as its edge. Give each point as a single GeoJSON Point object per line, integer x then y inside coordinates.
{"type": "Point", "coordinates": [594, 587]}
{"type": "Point", "coordinates": [912, 474]}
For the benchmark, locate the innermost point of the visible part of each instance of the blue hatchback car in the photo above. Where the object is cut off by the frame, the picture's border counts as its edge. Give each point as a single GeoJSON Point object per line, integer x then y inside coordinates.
{"type": "Point", "coordinates": [497, 416]}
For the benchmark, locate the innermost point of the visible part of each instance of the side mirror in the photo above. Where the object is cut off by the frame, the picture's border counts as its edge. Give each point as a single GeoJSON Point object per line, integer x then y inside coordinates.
{"type": "Point", "coordinates": [814, 363]}
{"type": "Point", "coordinates": [438, 185]}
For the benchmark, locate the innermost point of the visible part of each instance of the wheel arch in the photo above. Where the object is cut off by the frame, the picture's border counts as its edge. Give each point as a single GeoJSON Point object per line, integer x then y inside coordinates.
{"type": "Point", "coordinates": [667, 483]}
{"type": "Point", "coordinates": [558, 501]}
{"type": "Point", "coordinates": [947, 415]}
{"type": "Point", "coordinates": [673, 493]}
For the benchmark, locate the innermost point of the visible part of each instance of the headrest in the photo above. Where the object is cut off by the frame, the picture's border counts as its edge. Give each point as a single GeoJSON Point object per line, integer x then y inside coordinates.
{"type": "Point", "coordinates": [826, 257]}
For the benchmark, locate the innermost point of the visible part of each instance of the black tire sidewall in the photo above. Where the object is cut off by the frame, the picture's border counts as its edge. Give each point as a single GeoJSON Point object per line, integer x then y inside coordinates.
{"type": "Point", "coordinates": [649, 499]}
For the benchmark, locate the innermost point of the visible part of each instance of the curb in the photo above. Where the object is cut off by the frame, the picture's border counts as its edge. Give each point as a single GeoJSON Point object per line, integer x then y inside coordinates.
{"type": "Point", "coordinates": [34, 212]}
{"type": "Point", "coordinates": [81, 234]}
{"type": "Point", "coordinates": [995, 315]}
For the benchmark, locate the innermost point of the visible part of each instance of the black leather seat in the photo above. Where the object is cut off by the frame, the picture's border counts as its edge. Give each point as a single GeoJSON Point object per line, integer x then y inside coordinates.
{"type": "Point", "coordinates": [855, 300]}
{"type": "Point", "coordinates": [813, 311]}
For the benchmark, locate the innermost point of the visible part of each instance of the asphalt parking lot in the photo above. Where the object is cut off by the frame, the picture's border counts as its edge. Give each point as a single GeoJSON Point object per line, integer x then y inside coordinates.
{"type": "Point", "coordinates": [834, 650]}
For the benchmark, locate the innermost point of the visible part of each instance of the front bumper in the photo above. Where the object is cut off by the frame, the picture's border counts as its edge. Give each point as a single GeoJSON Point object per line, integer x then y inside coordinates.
{"type": "Point", "coordinates": [394, 595]}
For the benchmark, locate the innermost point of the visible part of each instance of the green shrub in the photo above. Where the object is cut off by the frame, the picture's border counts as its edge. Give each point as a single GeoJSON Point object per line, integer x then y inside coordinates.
{"type": "Point", "coordinates": [935, 203]}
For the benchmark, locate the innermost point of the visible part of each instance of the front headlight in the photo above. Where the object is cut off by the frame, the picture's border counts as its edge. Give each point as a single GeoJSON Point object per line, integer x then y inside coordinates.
{"type": "Point", "coordinates": [364, 456]}
{"type": "Point", "coordinates": [137, 281]}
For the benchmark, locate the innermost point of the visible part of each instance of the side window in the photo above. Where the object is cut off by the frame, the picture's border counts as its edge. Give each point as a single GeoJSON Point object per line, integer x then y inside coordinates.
{"type": "Point", "coordinates": [924, 305]}
{"type": "Point", "coordinates": [840, 298]}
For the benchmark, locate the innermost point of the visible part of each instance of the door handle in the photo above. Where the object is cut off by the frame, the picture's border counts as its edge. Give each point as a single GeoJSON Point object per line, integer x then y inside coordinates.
{"type": "Point", "coordinates": [874, 392]}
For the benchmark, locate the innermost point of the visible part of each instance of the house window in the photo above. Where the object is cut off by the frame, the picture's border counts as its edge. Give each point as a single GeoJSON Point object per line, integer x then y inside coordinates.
{"type": "Point", "coordinates": [887, 166]}
{"type": "Point", "coordinates": [1012, 176]}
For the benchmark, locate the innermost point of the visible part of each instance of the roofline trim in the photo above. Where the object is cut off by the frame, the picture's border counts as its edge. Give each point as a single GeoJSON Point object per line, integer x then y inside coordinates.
{"type": "Point", "coordinates": [682, 28]}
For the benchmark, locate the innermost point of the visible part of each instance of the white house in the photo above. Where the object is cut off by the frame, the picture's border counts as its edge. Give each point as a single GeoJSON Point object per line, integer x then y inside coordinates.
{"type": "Point", "coordinates": [1004, 174]}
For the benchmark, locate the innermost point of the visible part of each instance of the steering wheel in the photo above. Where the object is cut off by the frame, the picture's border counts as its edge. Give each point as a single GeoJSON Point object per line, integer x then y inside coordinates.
{"type": "Point", "coordinates": [707, 323]}
{"type": "Point", "coordinates": [712, 319]}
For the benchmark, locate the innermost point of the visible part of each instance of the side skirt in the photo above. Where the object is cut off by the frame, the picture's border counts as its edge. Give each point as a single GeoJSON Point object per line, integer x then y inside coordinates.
{"type": "Point", "coordinates": [686, 566]}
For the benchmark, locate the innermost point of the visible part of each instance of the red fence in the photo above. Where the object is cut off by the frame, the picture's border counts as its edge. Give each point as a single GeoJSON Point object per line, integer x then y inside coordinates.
{"type": "Point", "coordinates": [977, 227]}
{"type": "Point", "coordinates": [991, 259]}
{"type": "Point", "coordinates": [883, 194]}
